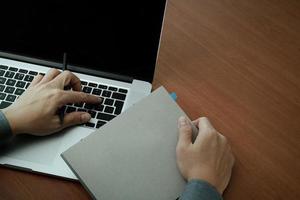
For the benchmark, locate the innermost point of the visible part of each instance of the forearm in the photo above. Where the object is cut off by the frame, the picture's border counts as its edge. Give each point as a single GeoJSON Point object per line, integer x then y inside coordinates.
{"type": "Point", "coordinates": [200, 190]}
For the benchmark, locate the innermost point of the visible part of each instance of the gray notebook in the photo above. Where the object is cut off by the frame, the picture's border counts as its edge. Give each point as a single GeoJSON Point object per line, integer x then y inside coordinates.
{"type": "Point", "coordinates": [133, 156]}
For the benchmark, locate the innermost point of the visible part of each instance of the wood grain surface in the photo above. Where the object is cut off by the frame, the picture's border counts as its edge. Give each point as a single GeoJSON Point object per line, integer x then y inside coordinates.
{"type": "Point", "coordinates": [238, 63]}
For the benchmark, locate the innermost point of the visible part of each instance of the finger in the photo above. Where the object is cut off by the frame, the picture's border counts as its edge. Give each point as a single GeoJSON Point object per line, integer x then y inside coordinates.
{"type": "Point", "coordinates": [232, 160]}
{"type": "Point", "coordinates": [185, 132]}
{"type": "Point", "coordinates": [204, 125]}
{"type": "Point", "coordinates": [205, 128]}
{"type": "Point", "coordinates": [36, 80]}
{"type": "Point", "coordinates": [77, 97]}
{"type": "Point", "coordinates": [75, 118]}
{"type": "Point", "coordinates": [196, 122]}
{"type": "Point", "coordinates": [50, 75]}
{"type": "Point", "coordinates": [67, 78]}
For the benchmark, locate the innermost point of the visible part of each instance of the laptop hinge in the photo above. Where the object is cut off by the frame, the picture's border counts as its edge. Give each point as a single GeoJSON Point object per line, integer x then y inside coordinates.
{"type": "Point", "coordinates": [100, 74]}
{"type": "Point", "coordinates": [70, 67]}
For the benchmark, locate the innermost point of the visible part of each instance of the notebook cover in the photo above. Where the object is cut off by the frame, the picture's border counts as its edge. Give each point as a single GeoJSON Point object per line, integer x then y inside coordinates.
{"type": "Point", "coordinates": [133, 156]}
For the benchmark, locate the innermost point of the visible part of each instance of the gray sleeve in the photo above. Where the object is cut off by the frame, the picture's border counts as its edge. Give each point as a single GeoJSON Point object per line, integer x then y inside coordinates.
{"type": "Point", "coordinates": [5, 130]}
{"type": "Point", "coordinates": [200, 190]}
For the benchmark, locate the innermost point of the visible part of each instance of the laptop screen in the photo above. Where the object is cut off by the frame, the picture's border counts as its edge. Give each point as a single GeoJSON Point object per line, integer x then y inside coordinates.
{"type": "Point", "coordinates": [120, 37]}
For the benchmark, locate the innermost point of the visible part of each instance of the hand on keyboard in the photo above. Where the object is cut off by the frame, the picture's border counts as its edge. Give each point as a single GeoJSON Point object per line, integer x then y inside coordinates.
{"type": "Point", "coordinates": [36, 111]}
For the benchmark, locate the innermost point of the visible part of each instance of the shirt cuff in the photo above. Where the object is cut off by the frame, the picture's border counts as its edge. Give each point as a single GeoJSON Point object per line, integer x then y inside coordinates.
{"type": "Point", "coordinates": [200, 190]}
{"type": "Point", "coordinates": [5, 130]}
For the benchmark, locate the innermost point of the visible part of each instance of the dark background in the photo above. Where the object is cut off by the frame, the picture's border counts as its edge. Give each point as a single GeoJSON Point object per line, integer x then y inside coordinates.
{"type": "Point", "coordinates": [112, 36]}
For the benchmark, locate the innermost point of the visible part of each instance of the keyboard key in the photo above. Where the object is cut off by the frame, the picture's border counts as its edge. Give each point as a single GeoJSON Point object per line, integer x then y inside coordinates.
{"type": "Point", "coordinates": [119, 96]}
{"type": "Point", "coordinates": [28, 78]}
{"type": "Point", "coordinates": [100, 123]}
{"type": "Point", "coordinates": [119, 103]}
{"type": "Point", "coordinates": [102, 86]}
{"type": "Point", "coordinates": [19, 91]}
{"type": "Point", "coordinates": [106, 93]}
{"type": "Point", "coordinates": [70, 109]}
{"type": "Point", "coordinates": [83, 82]}
{"type": "Point", "coordinates": [9, 89]}
{"type": "Point", "coordinates": [27, 85]}
{"type": "Point", "coordinates": [4, 104]}
{"type": "Point", "coordinates": [43, 74]}
{"type": "Point", "coordinates": [11, 98]}
{"type": "Point", "coordinates": [11, 82]}
{"type": "Point", "coordinates": [2, 87]}
{"type": "Point", "coordinates": [109, 102]}
{"type": "Point", "coordinates": [23, 71]}
{"type": "Point", "coordinates": [92, 113]}
{"type": "Point", "coordinates": [2, 72]}
{"type": "Point", "coordinates": [21, 84]}
{"type": "Point", "coordinates": [109, 109]}
{"type": "Point", "coordinates": [79, 105]}
{"type": "Point", "coordinates": [19, 76]}
{"type": "Point", "coordinates": [96, 91]}
{"type": "Point", "coordinates": [3, 67]}
{"type": "Point", "coordinates": [87, 90]}
{"type": "Point", "coordinates": [2, 96]}
{"type": "Point", "coordinates": [33, 73]}
{"type": "Point", "coordinates": [9, 74]}
{"type": "Point", "coordinates": [119, 106]}
{"type": "Point", "coordinates": [117, 111]}
{"type": "Point", "coordinates": [2, 80]}
{"type": "Point", "coordinates": [81, 110]}
{"type": "Point", "coordinates": [99, 107]}
{"type": "Point", "coordinates": [92, 84]}
{"type": "Point", "coordinates": [113, 88]}
{"type": "Point", "coordinates": [89, 124]}
{"type": "Point", "coordinates": [123, 91]}
{"type": "Point", "coordinates": [88, 106]}
{"type": "Point", "coordinates": [105, 117]}
{"type": "Point", "coordinates": [13, 69]}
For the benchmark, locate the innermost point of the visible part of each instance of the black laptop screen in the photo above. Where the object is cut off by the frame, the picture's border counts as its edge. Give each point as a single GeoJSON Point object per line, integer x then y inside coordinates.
{"type": "Point", "coordinates": [117, 36]}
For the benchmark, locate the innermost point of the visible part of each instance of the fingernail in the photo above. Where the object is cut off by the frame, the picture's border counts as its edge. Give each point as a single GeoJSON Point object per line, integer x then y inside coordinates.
{"type": "Point", "coordinates": [85, 117]}
{"type": "Point", "coordinates": [100, 100]}
{"type": "Point", "coordinates": [182, 121]}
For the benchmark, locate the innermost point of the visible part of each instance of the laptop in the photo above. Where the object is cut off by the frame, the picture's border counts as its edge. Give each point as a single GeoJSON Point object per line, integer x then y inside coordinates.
{"type": "Point", "coordinates": [112, 46]}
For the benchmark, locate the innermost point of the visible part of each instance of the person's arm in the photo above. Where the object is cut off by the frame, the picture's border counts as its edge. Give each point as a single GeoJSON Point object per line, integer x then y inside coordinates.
{"type": "Point", "coordinates": [5, 131]}
{"type": "Point", "coordinates": [200, 190]}
{"type": "Point", "coordinates": [36, 111]}
{"type": "Point", "coordinates": [206, 164]}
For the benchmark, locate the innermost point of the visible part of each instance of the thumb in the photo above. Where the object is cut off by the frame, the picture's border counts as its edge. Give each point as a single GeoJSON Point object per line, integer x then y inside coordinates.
{"type": "Point", "coordinates": [75, 118]}
{"type": "Point", "coordinates": [185, 132]}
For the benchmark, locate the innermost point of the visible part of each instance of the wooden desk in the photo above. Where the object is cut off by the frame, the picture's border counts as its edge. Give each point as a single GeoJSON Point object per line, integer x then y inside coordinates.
{"type": "Point", "coordinates": [237, 62]}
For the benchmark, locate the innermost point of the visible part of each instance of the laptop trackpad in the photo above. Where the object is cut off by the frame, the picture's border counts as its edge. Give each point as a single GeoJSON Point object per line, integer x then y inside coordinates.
{"type": "Point", "coordinates": [42, 150]}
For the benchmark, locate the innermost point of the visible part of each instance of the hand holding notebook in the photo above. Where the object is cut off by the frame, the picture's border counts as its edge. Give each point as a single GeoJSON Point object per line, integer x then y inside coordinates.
{"type": "Point", "coordinates": [133, 157]}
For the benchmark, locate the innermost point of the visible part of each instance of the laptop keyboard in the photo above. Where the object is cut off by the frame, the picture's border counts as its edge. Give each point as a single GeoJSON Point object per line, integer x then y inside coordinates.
{"type": "Point", "coordinates": [14, 81]}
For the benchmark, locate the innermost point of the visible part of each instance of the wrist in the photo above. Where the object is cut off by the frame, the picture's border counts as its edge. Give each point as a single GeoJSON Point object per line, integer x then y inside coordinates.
{"type": "Point", "coordinates": [12, 121]}
{"type": "Point", "coordinates": [201, 189]}
{"type": "Point", "coordinates": [207, 178]}
{"type": "Point", "coordinates": [5, 130]}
